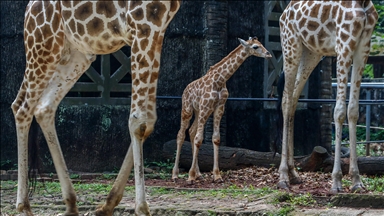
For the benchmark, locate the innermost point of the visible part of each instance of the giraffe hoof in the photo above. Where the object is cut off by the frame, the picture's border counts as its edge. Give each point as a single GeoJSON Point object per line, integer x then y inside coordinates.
{"type": "Point", "coordinates": [190, 182]}
{"type": "Point", "coordinates": [175, 180]}
{"type": "Point", "coordinates": [283, 185]}
{"type": "Point", "coordinates": [296, 180]}
{"type": "Point", "coordinates": [357, 188]}
{"type": "Point", "coordinates": [336, 190]}
{"type": "Point", "coordinates": [218, 180]}
{"type": "Point", "coordinates": [71, 214]}
{"type": "Point", "coordinates": [100, 211]}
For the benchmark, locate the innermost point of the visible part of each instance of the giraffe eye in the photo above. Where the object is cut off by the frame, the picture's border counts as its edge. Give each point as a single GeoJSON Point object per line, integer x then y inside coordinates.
{"type": "Point", "coordinates": [255, 47]}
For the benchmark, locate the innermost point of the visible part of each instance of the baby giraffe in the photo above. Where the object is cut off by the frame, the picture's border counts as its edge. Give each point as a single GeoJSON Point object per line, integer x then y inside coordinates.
{"type": "Point", "coordinates": [208, 95]}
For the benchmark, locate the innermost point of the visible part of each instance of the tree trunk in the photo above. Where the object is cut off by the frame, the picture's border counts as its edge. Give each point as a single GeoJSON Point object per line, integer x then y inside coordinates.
{"type": "Point", "coordinates": [234, 158]}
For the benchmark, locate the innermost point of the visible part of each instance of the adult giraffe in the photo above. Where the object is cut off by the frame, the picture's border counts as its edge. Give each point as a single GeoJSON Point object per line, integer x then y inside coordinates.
{"type": "Point", "coordinates": [62, 38]}
{"type": "Point", "coordinates": [308, 31]}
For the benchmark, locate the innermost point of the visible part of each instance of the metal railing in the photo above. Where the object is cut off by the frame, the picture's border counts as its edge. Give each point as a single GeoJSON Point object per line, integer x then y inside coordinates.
{"type": "Point", "coordinates": [367, 102]}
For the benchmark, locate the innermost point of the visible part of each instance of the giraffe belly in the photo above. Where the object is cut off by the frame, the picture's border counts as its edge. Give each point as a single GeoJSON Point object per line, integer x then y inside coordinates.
{"type": "Point", "coordinates": [96, 45]}
{"type": "Point", "coordinates": [328, 48]}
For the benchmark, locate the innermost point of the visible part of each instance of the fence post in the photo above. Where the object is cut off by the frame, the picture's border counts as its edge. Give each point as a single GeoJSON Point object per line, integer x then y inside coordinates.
{"type": "Point", "coordinates": [368, 123]}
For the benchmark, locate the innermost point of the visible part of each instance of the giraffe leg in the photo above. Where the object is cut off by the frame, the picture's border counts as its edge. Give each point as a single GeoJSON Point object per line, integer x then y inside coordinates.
{"type": "Point", "coordinates": [217, 115]}
{"type": "Point", "coordinates": [308, 62]}
{"type": "Point", "coordinates": [344, 61]}
{"type": "Point", "coordinates": [339, 116]}
{"type": "Point", "coordinates": [290, 71]}
{"type": "Point", "coordinates": [23, 119]}
{"type": "Point", "coordinates": [185, 118]}
{"type": "Point", "coordinates": [296, 75]}
{"type": "Point", "coordinates": [142, 118]}
{"type": "Point", "coordinates": [359, 62]}
{"type": "Point", "coordinates": [197, 141]}
{"type": "Point", "coordinates": [64, 78]}
{"type": "Point", "coordinates": [192, 133]}
{"type": "Point", "coordinates": [35, 80]}
{"type": "Point", "coordinates": [47, 95]}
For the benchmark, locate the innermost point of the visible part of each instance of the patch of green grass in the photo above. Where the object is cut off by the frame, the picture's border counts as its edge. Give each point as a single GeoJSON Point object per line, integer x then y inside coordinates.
{"type": "Point", "coordinates": [9, 184]}
{"type": "Point", "coordinates": [303, 200]}
{"type": "Point", "coordinates": [286, 202]}
{"type": "Point", "coordinates": [374, 183]}
{"type": "Point", "coordinates": [93, 187]}
{"type": "Point", "coordinates": [282, 211]}
{"type": "Point", "coordinates": [159, 191]}
{"type": "Point", "coordinates": [371, 183]}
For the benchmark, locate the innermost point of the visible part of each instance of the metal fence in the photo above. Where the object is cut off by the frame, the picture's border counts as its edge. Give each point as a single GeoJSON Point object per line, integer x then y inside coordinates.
{"type": "Point", "coordinates": [368, 102]}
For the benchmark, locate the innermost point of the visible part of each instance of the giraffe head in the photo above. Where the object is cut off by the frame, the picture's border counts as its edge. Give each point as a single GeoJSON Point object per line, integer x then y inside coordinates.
{"type": "Point", "coordinates": [254, 47]}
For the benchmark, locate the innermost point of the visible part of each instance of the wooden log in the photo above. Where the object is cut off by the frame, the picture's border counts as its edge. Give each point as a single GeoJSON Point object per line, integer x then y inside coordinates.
{"type": "Point", "coordinates": [235, 158]}
{"type": "Point", "coordinates": [229, 158]}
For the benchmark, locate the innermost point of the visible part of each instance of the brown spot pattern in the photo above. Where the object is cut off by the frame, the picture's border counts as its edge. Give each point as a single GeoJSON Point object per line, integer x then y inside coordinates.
{"type": "Point", "coordinates": [114, 27]}
{"type": "Point", "coordinates": [312, 25]}
{"type": "Point", "coordinates": [155, 12]}
{"type": "Point", "coordinates": [154, 77]}
{"type": "Point", "coordinates": [95, 26]}
{"type": "Point", "coordinates": [66, 14]}
{"type": "Point", "coordinates": [80, 29]}
{"type": "Point", "coordinates": [138, 14]}
{"type": "Point", "coordinates": [356, 28]}
{"type": "Point", "coordinates": [84, 11]}
{"type": "Point", "coordinates": [142, 91]}
{"type": "Point", "coordinates": [134, 4]}
{"type": "Point", "coordinates": [106, 8]}
{"type": "Point", "coordinates": [144, 76]}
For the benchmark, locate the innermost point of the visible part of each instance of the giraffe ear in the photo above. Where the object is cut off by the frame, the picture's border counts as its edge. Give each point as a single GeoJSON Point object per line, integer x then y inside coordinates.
{"type": "Point", "coordinates": [243, 42]}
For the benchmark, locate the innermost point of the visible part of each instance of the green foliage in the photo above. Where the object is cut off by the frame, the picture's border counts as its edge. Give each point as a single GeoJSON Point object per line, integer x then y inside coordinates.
{"type": "Point", "coordinates": [380, 23]}
{"type": "Point", "coordinates": [7, 165]}
{"type": "Point", "coordinates": [303, 200]}
{"type": "Point", "coordinates": [299, 200]}
{"type": "Point", "coordinates": [109, 176]}
{"type": "Point", "coordinates": [288, 201]}
{"type": "Point", "coordinates": [93, 187]}
{"type": "Point", "coordinates": [368, 71]}
{"type": "Point", "coordinates": [375, 183]}
{"type": "Point", "coordinates": [285, 210]}
{"type": "Point", "coordinates": [74, 176]}
{"type": "Point", "coordinates": [165, 166]}
{"type": "Point", "coordinates": [361, 133]}
{"type": "Point", "coordinates": [371, 183]}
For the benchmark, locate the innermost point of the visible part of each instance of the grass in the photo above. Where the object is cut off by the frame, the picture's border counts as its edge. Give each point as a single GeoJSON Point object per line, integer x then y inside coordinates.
{"type": "Point", "coordinates": [283, 201]}
{"type": "Point", "coordinates": [371, 183]}
{"type": "Point", "coordinates": [287, 202]}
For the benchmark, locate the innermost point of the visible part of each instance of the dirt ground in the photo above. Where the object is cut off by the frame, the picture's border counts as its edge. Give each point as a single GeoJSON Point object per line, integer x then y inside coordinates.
{"type": "Point", "coordinates": [178, 203]}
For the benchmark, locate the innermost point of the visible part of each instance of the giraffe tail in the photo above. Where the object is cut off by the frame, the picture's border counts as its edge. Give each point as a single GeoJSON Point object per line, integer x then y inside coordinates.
{"type": "Point", "coordinates": [33, 152]}
{"type": "Point", "coordinates": [279, 122]}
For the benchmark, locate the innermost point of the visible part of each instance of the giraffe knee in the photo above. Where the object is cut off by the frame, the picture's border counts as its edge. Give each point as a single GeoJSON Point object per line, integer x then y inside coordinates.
{"type": "Point", "coordinates": [43, 113]}
{"type": "Point", "coordinates": [216, 141]}
{"type": "Point", "coordinates": [15, 107]}
{"type": "Point", "coordinates": [339, 113]}
{"type": "Point", "coordinates": [353, 112]}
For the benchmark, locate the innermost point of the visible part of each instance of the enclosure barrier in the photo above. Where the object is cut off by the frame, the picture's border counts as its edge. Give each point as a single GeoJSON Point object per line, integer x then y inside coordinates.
{"type": "Point", "coordinates": [367, 102]}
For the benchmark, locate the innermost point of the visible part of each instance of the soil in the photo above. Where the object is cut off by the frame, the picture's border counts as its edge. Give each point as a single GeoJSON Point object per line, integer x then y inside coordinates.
{"type": "Point", "coordinates": [178, 203]}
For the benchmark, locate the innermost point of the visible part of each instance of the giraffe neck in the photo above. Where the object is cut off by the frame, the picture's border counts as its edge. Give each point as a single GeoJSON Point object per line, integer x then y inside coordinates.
{"type": "Point", "coordinates": [228, 65]}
